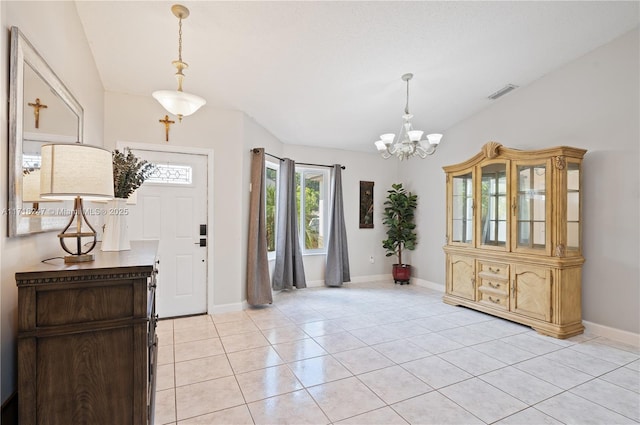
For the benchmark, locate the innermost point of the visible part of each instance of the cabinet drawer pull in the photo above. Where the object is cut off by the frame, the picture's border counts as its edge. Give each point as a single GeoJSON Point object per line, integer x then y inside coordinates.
{"type": "Point", "coordinates": [494, 270]}
{"type": "Point", "coordinates": [495, 286]}
{"type": "Point", "coordinates": [495, 301]}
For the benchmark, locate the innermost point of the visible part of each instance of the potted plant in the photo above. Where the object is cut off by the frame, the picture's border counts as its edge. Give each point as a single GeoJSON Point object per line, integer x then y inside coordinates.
{"type": "Point", "coordinates": [398, 216]}
{"type": "Point", "coordinates": [129, 172]}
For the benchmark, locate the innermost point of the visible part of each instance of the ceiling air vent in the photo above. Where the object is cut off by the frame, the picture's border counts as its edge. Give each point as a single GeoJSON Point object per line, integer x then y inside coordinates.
{"type": "Point", "coordinates": [506, 89]}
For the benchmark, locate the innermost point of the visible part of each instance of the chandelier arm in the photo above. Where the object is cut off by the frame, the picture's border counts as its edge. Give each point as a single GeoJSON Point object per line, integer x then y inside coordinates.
{"type": "Point", "coordinates": [414, 148]}
{"type": "Point", "coordinates": [430, 150]}
{"type": "Point", "coordinates": [392, 149]}
{"type": "Point", "coordinates": [421, 152]}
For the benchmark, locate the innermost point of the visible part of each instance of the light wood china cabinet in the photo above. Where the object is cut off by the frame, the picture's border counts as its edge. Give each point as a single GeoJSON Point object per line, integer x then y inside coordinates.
{"type": "Point", "coordinates": [514, 236]}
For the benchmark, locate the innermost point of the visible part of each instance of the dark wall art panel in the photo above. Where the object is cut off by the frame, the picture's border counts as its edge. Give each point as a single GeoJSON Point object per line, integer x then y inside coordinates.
{"type": "Point", "coordinates": [366, 205]}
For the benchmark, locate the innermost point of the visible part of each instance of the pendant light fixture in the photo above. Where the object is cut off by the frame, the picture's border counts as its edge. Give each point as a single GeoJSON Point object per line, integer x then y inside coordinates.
{"type": "Point", "coordinates": [408, 143]}
{"type": "Point", "coordinates": [178, 102]}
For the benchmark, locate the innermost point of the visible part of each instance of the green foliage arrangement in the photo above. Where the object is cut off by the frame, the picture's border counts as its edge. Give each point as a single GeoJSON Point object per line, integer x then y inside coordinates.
{"type": "Point", "coordinates": [398, 216]}
{"type": "Point", "coordinates": [129, 172]}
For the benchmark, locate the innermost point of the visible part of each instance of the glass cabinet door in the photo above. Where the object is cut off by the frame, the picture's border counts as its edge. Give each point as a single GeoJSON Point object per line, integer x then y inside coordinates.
{"type": "Point", "coordinates": [462, 209]}
{"type": "Point", "coordinates": [573, 206]}
{"type": "Point", "coordinates": [530, 207]}
{"type": "Point", "coordinates": [493, 206]}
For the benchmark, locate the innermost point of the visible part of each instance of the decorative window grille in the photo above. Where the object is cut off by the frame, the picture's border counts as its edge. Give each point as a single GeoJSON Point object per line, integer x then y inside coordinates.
{"type": "Point", "coordinates": [171, 174]}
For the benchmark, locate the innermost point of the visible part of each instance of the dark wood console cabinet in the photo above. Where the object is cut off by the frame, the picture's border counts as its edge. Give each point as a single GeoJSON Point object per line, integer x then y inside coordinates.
{"type": "Point", "coordinates": [87, 346]}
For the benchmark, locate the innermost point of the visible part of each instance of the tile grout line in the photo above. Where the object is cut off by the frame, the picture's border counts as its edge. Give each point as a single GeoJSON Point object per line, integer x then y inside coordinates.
{"type": "Point", "coordinates": [299, 326]}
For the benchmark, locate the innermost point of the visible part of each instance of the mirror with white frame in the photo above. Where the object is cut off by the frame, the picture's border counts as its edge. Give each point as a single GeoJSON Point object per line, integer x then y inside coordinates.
{"type": "Point", "coordinates": [41, 110]}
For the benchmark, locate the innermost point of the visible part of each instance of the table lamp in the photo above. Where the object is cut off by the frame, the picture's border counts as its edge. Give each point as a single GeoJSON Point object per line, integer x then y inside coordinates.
{"type": "Point", "coordinates": [73, 171]}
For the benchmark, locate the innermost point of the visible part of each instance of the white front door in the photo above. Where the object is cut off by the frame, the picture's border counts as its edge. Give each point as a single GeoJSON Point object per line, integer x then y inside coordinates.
{"type": "Point", "coordinates": [172, 208]}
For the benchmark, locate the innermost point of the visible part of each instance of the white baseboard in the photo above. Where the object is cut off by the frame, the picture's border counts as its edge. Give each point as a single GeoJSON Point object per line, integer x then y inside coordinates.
{"type": "Point", "coordinates": [590, 327]}
{"type": "Point", "coordinates": [228, 308]}
{"type": "Point", "coordinates": [612, 333]}
{"type": "Point", "coordinates": [427, 284]}
{"type": "Point", "coordinates": [372, 278]}
{"type": "Point", "coordinates": [355, 279]}
{"type": "Point", "coordinates": [615, 334]}
{"type": "Point", "coordinates": [310, 284]}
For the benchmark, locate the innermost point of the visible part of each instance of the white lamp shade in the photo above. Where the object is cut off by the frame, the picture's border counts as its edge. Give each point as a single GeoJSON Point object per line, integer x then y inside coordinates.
{"type": "Point", "coordinates": [415, 135]}
{"type": "Point", "coordinates": [381, 146]}
{"type": "Point", "coordinates": [434, 139]}
{"type": "Point", "coordinates": [72, 169]}
{"type": "Point", "coordinates": [178, 102]}
{"type": "Point", "coordinates": [387, 138]}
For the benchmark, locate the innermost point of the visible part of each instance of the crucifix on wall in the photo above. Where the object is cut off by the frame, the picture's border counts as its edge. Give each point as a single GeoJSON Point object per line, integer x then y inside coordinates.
{"type": "Point", "coordinates": [167, 122]}
{"type": "Point", "coordinates": [36, 110]}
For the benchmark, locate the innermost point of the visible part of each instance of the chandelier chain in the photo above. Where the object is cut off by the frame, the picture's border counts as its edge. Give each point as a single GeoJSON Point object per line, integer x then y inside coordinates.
{"type": "Point", "coordinates": [406, 108]}
{"type": "Point", "coordinates": [180, 39]}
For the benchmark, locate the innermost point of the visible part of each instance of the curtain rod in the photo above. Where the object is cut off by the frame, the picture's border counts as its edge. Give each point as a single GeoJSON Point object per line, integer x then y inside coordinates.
{"type": "Point", "coordinates": [255, 150]}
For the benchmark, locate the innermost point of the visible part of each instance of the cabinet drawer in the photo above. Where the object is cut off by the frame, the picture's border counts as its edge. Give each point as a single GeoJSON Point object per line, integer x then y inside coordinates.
{"type": "Point", "coordinates": [494, 271]}
{"type": "Point", "coordinates": [497, 286]}
{"type": "Point", "coordinates": [83, 304]}
{"type": "Point", "coordinates": [493, 298]}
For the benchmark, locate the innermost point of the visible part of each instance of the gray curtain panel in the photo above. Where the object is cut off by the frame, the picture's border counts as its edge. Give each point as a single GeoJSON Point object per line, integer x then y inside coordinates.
{"type": "Point", "coordinates": [258, 287]}
{"type": "Point", "coordinates": [337, 270]}
{"type": "Point", "coordinates": [289, 270]}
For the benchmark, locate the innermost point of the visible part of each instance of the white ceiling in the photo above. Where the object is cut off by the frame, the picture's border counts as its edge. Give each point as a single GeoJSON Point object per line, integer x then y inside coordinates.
{"type": "Point", "coordinates": [328, 73]}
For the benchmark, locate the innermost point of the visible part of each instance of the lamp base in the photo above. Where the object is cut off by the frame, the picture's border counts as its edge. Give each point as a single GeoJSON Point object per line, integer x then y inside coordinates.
{"type": "Point", "coordinates": [82, 258]}
{"type": "Point", "coordinates": [79, 255]}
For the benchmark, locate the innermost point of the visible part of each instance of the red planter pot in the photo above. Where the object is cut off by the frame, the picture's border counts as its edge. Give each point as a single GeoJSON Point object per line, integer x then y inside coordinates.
{"type": "Point", "coordinates": [401, 273]}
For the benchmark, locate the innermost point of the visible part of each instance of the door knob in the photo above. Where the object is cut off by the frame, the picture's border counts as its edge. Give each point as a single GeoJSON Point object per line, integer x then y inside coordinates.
{"type": "Point", "coordinates": [203, 242]}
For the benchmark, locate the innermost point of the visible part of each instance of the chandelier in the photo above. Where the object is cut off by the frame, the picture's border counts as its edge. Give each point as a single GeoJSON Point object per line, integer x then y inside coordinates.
{"type": "Point", "coordinates": [408, 143]}
{"type": "Point", "coordinates": [178, 102]}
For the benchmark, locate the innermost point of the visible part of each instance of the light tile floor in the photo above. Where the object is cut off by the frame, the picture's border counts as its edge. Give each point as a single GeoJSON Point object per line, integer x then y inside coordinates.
{"type": "Point", "coordinates": [379, 353]}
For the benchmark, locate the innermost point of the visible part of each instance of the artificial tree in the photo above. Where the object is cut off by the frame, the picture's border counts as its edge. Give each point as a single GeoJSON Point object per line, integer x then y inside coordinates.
{"type": "Point", "coordinates": [398, 216]}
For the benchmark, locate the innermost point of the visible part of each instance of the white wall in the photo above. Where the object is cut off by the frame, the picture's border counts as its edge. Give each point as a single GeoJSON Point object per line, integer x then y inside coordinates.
{"type": "Point", "coordinates": [591, 103]}
{"type": "Point", "coordinates": [55, 31]}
